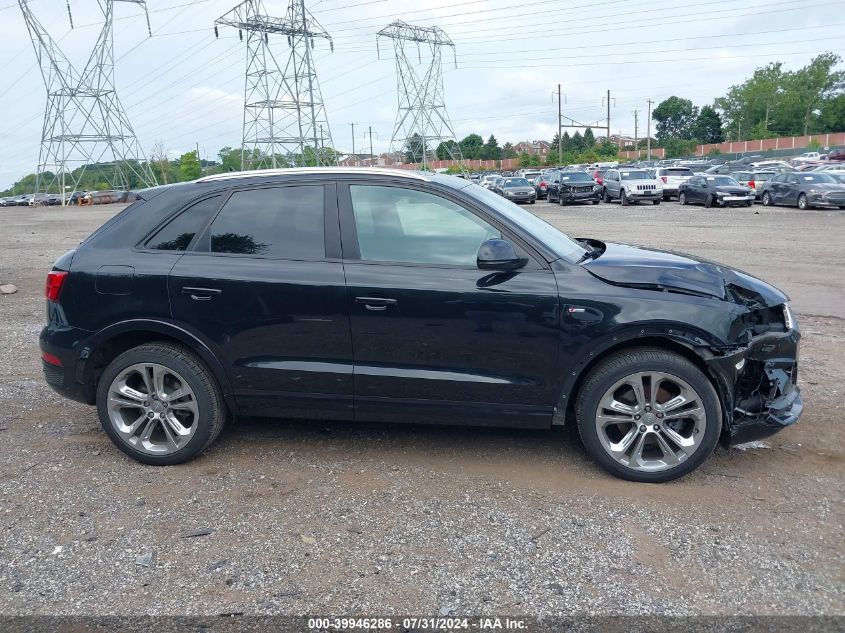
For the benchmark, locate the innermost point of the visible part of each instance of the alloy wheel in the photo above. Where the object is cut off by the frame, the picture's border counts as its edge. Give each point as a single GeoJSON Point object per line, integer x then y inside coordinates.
{"type": "Point", "coordinates": [153, 408]}
{"type": "Point", "coordinates": [651, 421]}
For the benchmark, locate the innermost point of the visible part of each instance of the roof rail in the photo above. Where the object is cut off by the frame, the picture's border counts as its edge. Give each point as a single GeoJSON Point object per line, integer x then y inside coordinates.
{"type": "Point", "coordinates": [258, 173]}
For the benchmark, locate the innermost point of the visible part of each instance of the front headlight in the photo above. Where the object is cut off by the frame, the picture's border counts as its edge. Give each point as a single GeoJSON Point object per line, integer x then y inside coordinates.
{"type": "Point", "coordinates": [596, 187]}
{"type": "Point", "coordinates": [722, 193]}
{"type": "Point", "coordinates": [788, 317]}
{"type": "Point", "coordinates": [509, 193]}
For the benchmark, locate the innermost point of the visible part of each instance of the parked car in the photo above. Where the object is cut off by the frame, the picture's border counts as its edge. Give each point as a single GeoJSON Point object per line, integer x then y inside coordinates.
{"type": "Point", "coordinates": [807, 156]}
{"type": "Point", "coordinates": [528, 174]}
{"type": "Point", "coordinates": [631, 185]}
{"type": "Point", "coordinates": [718, 191]}
{"type": "Point", "coordinates": [566, 187]}
{"type": "Point", "coordinates": [24, 200]}
{"type": "Point", "coordinates": [541, 186]}
{"type": "Point", "coordinates": [76, 196]}
{"type": "Point", "coordinates": [597, 175]}
{"type": "Point", "coordinates": [804, 190]}
{"type": "Point", "coordinates": [830, 167]}
{"type": "Point", "coordinates": [310, 292]}
{"type": "Point", "coordinates": [497, 185]}
{"type": "Point", "coordinates": [836, 154]}
{"type": "Point", "coordinates": [772, 165]}
{"type": "Point", "coordinates": [518, 190]}
{"type": "Point", "coordinates": [671, 179]}
{"type": "Point", "coordinates": [488, 180]}
{"type": "Point", "coordinates": [6, 202]}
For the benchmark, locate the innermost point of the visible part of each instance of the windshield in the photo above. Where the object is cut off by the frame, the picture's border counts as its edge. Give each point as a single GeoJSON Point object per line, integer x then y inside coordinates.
{"type": "Point", "coordinates": [722, 180]}
{"type": "Point", "coordinates": [516, 182]}
{"type": "Point", "coordinates": [575, 177]}
{"type": "Point", "coordinates": [635, 175]}
{"type": "Point", "coordinates": [816, 178]}
{"type": "Point", "coordinates": [557, 241]}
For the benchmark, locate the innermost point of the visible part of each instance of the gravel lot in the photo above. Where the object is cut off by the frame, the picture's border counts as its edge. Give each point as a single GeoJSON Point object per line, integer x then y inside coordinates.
{"type": "Point", "coordinates": [294, 517]}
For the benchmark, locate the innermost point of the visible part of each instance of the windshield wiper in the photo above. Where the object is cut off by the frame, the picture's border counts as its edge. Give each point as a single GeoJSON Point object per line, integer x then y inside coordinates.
{"type": "Point", "coordinates": [592, 253]}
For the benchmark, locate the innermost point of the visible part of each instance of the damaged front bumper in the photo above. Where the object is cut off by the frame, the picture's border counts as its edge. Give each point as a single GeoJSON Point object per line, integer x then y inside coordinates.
{"type": "Point", "coordinates": [760, 386]}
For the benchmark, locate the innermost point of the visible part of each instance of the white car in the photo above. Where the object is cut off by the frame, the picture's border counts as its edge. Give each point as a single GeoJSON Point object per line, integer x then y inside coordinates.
{"type": "Point", "coordinates": [808, 157]}
{"type": "Point", "coordinates": [488, 180]}
{"type": "Point", "coordinates": [772, 165]}
{"type": "Point", "coordinates": [631, 185]}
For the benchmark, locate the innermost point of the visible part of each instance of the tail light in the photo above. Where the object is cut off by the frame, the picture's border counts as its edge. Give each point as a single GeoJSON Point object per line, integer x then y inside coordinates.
{"type": "Point", "coordinates": [752, 184]}
{"type": "Point", "coordinates": [664, 179]}
{"type": "Point", "coordinates": [51, 359]}
{"type": "Point", "coordinates": [55, 280]}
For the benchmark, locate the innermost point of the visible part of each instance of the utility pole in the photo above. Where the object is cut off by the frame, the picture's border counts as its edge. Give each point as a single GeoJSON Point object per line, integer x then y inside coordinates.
{"type": "Point", "coordinates": [370, 129]}
{"type": "Point", "coordinates": [284, 111]}
{"type": "Point", "coordinates": [198, 156]}
{"type": "Point", "coordinates": [84, 122]}
{"type": "Point", "coordinates": [559, 128]}
{"type": "Point", "coordinates": [353, 142]}
{"type": "Point", "coordinates": [636, 136]}
{"type": "Point", "coordinates": [608, 116]}
{"type": "Point", "coordinates": [648, 125]}
{"type": "Point", "coordinates": [421, 118]}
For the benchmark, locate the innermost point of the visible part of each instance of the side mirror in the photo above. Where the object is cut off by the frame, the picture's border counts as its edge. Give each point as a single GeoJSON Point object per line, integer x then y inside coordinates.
{"type": "Point", "coordinates": [499, 254]}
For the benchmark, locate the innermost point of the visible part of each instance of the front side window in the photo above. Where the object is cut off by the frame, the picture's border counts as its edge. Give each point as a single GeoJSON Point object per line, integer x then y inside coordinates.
{"type": "Point", "coordinates": [404, 225]}
{"type": "Point", "coordinates": [283, 222]}
{"type": "Point", "coordinates": [179, 232]}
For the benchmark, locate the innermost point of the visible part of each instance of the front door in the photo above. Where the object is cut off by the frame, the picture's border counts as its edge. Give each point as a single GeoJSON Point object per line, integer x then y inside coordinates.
{"type": "Point", "coordinates": [435, 339]}
{"type": "Point", "coordinates": [262, 286]}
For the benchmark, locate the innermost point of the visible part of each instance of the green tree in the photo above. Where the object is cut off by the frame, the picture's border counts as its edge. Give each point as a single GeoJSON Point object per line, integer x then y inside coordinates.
{"type": "Point", "coordinates": [589, 138]}
{"type": "Point", "coordinates": [508, 151]}
{"type": "Point", "coordinates": [448, 150]}
{"type": "Point", "coordinates": [606, 149]}
{"type": "Point", "coordinates": [675, 118]}
{"type": "Point", "coordinates": [189, 166]}
{"type": "Point", "coordinates": [577, 141]}
{"type": "Point", "coordinates": [230, 159]}
{"type": "Point", "coordinates": [412, 152]}
{"type": "Point", "coordinates": [708, 126]}
{"type": "Point", "coordinates": [472, 146]}
{"type": "Point", "coordinates": [491, 149]}
{"type": "Point", "coordinates": [679, 148]}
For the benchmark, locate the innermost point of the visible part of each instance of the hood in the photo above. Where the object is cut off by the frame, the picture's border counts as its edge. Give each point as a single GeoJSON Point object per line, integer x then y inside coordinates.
{"type": "Point", "coordinates": [730, 188]}
{"type": "Point", "coordinates": [625, 265]}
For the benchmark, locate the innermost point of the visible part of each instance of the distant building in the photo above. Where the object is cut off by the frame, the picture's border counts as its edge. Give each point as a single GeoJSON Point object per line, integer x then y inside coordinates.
{"type": "Point", "coordinates": [536, 148]}
{"type": "Point", "coordinates": [621, 140]}
{"type": "Point", "coordinates": [359, 160]}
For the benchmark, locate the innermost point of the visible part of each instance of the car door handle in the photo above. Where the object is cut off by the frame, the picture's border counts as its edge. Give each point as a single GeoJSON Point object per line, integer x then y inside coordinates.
{"type": "Point", "coordinates": [376, 304]}
{"type": "Point", "coordinates": [201, 294]}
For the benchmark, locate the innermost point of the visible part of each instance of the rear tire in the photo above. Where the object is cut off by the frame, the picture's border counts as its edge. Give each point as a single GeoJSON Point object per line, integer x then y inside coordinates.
{"type": "Point", "coordinates": [690, 439]}
{"type": "Point", "coordinates": [202, 413]}
{"type": "Point", "coordinates": [767, 199]}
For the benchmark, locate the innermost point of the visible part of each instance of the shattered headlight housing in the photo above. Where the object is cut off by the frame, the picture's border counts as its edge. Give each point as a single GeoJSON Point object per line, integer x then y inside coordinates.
{"type": "Point", "coordinates": [788, 317]}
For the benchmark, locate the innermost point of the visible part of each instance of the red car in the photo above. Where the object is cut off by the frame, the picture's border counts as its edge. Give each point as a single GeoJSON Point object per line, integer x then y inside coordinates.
{"type": "Point", "coordinates": [598, 176]}
{"type": "Point", "coordinates": [541, 187]}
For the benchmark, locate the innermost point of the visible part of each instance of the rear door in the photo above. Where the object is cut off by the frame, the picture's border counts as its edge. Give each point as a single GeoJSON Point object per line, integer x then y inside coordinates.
{"type": "Point", "coordinates": [435, 338]}
{"type": "Point", "coordinates": [264, 285]}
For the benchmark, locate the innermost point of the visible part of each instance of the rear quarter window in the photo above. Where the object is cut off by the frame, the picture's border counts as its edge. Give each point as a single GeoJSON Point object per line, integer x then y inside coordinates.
{"type": "Point", "coordinates": [178, 234]}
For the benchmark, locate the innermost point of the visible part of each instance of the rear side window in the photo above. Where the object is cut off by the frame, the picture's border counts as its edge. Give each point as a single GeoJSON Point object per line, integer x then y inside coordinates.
{"type": "Point", "coordinates": [283, 222]}
{"type": "Point", "coordinates": [180, 231]}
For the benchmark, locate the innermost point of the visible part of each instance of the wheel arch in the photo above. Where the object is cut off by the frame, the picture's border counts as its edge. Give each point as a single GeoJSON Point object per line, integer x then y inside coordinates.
{"type": "Point", "coordinates": [115, 339]}
{"type": "Point", "coordinates": [679, 342]}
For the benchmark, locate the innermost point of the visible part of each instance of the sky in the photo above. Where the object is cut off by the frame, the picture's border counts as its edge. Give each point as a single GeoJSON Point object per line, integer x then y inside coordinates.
{"type": "Point", "coordinates": [183, 87]}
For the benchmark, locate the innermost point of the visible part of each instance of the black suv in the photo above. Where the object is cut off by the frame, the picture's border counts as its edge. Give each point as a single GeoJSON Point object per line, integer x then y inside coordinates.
{"type": "Point", "coordinates": [367, 294]}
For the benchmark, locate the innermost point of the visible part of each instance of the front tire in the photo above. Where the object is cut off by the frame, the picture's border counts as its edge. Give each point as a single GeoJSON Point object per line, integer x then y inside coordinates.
{"type": "Point", "coordinates": [802, 202]}
{"type": "Point", "coordinates": [648, 415]}
{"type": "Point", "coordinates": [160, 404]}
{"type": "Point", "coordinates": [682, 198]}
{"type": "Point", "coordinates": [655, 202]}
{"type": "Point", "coordinates": [708, 201]}
{"type": "Point", "coordinates": [623, 198]}
{"type": "Point", "coordinates": [605, 196]}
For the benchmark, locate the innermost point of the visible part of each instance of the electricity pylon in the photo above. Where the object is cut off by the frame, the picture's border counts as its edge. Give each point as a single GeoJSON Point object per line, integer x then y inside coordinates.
{"type": "Point", "coordinates": [85, 125]}
{"type": "Point", "coordinates": [285, 121]}
{"type": "Point", "coordinates": [422, 122]}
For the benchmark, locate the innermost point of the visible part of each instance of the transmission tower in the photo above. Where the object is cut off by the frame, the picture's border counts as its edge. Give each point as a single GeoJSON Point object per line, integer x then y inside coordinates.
{"type": "Point", "coordinates": [85, 125]}
{"type": "Point", "coordinates": [285, 121]}
{"type": "Point", "coordinates": [422, 122]}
